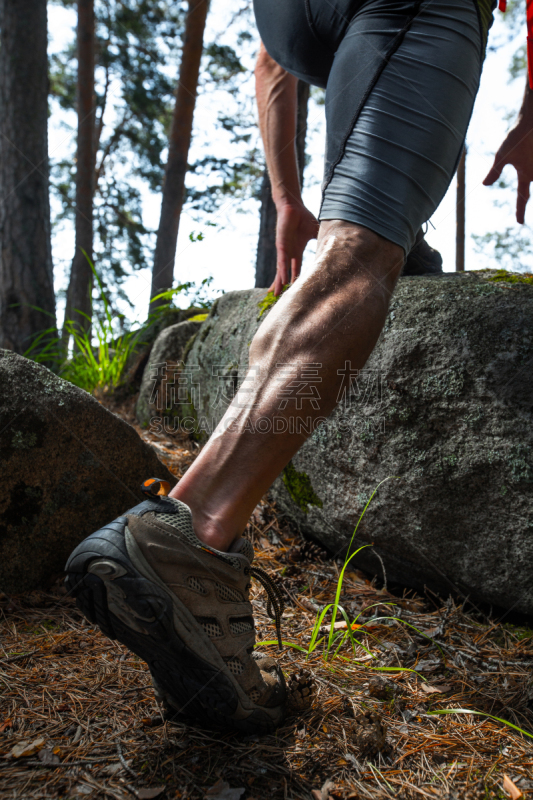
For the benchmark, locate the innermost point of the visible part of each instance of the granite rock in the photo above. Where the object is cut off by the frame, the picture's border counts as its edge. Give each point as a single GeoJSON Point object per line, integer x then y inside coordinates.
{"type": "Point", "coordinates": [443, 410]}
{"type": "Point", "coordinates": [68, 467]}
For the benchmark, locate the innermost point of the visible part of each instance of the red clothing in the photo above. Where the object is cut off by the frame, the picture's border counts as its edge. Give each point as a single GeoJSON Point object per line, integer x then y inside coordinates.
{"type": "Point", "coordinates": [502, 5]}
{"type": "Point", "coordinates": [529, 17]}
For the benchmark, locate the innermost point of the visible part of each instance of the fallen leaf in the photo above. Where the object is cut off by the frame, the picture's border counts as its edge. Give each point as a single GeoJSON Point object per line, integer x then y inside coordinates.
{"type": "Point", "coordinates": [152, 722]}
{"type": "Point", "coordinates": [222, 791]}
{"type": "Point", "coordinates": [147, 794]}
{"type": "Point", "coordinates": [511, 788]}
{"type": "Point", "coordinates": [7, 723]}
{"type": "Point", "coordinates": [429, 689]}
{"type": "Point", "coordinates": [342, 625]}
{"type": "Point", "coordinates": [26, 748]}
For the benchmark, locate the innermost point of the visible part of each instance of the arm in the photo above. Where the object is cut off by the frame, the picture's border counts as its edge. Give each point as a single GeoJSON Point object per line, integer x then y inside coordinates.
{"type": "Point", "coordinates": [517, 149]}
{"type": "Point", "coordinates": [276, 92]}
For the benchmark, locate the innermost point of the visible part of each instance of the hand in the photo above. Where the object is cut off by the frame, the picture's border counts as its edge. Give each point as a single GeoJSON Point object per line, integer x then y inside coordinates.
{"type": "Point", "coordinates": [516, 149]}
{"type": "Point", "coordinates": [295, 227]}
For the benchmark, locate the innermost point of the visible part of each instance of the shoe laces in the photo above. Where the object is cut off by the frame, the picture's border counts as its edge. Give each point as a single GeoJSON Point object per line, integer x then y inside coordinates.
{"type": "Point", "coordinates": [275, 604]}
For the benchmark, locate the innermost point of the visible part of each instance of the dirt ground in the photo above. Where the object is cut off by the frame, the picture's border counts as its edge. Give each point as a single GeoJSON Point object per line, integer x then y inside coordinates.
{"type": "Point", "coordinates": [408, 711]}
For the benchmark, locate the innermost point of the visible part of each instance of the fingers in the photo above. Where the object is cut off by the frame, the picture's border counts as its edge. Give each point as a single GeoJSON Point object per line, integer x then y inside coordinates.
{"type": "Point", "coordinates": [522, 196]}
{"type": "Point", "coordinates": [296, 266]}
{"type": "Point", "coordinates": [494, 173]}
{"type": "Point", "coordinates": [283, 268]}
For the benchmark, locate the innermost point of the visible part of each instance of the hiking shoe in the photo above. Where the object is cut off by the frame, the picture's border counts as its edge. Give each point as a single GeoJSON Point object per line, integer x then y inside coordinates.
{"type": "Point", "coordinates": [147, 580]}
{"type": "Point", "coordinates": [423, 259]}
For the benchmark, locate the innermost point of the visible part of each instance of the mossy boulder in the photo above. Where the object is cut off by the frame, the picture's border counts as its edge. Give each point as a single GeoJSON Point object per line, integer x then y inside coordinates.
{"type": "Point", "coordinates": [160, 385]}
{"type": "Point", "coordinates": [68, 467]}
{"type": "Point", "coordinates": [214, 353]}
{"type": "Point", "coordinates": [444, 408]}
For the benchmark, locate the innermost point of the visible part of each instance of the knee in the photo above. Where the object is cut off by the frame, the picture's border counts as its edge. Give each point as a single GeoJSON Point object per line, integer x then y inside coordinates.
{"type": "Point", "coordinates": [360, 250]}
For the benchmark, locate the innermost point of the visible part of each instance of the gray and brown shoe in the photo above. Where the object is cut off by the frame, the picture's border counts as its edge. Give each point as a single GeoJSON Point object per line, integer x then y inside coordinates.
{"type": "Point", "coordinates": [423, 259]}
{"type": "Point", "coordinates": [146, 580]}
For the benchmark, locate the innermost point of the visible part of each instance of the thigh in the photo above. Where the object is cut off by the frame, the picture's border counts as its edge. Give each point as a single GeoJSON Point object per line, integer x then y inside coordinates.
{"type": "Point", "coordinates": [286, 30]}
{"type": "Point", "coordinates": [391, 163]}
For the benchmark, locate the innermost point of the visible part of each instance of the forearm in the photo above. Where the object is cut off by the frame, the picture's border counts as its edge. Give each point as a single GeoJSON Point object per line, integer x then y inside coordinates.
{"type": "Point", "coordinates": [276, 92]}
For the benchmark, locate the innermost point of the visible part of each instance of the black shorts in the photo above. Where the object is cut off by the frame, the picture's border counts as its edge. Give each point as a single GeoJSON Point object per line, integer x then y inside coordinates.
{"type": "Point", "coordinates": [401, 77]}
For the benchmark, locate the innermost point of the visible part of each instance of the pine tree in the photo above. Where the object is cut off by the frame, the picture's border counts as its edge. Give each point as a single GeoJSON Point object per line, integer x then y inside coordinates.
{"type": "Point", "coordinates": [27, 302]}
{"type": "Point", "coordinates": [179, 144]}
{"type": "Point", "coordinates": [138, 46]}
{"type": "Point", "coordinates": [79, 295]}
{"type": "Point", "coordinates": [135, 42]}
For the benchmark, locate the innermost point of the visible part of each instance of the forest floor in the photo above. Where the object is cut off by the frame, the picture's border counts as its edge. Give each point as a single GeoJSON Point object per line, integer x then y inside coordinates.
{"type": "Point", "coordinates": [78, 717]}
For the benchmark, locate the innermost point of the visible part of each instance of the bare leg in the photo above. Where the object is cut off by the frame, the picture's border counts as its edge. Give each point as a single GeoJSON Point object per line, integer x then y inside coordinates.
{"type": "Point", "coordinates": [333, 314]}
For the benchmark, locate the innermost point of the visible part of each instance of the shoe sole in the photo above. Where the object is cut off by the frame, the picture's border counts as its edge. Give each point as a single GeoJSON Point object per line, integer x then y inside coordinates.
{"type": "Point", "coordinates": [126, 606]}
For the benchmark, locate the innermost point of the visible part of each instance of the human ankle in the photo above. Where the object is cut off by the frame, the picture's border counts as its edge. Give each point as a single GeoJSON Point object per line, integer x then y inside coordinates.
{"type": "Point", "coordinates": [210, 530]}
{"type": "Point", "coordinates": [214, 537]}
{"type": "Point", "coordinates": [208, 527]}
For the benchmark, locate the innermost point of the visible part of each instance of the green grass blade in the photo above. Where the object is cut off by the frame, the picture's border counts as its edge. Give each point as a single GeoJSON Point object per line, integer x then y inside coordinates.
{"type": "Point", "coordinates": [349, 558]}
{"type": "Point", "coordinates": [339, 589]}
{"type": "Point", "coordinates": [390, 477]}
{"type": "Point", "coordinates": [480, 714]}
{"type": "Point", "coordinates": [268, 642]}
{"type": "Point", "coordinates": [316, 628]}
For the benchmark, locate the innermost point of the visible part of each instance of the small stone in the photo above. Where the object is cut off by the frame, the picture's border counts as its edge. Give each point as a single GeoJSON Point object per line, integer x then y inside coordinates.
{"type": "Point", "coordinates": [48, 757]}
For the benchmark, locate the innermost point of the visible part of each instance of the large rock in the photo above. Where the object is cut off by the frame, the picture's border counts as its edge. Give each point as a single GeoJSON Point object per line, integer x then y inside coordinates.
{"type": "Point", "coordinates": [445, 406]}
{"type": "Point", "coordinates": [217, 359]}
{"type": "Point", "coordinates": [131, 379]}
{"type": "Point", "coordinates": [161, 371]}
{"type": "Point", "coordinates": [68, 467]}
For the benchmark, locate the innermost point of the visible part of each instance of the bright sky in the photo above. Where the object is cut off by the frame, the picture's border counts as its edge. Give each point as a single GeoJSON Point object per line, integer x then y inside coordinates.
{"type": "Point", "coordinates": [227, 251]}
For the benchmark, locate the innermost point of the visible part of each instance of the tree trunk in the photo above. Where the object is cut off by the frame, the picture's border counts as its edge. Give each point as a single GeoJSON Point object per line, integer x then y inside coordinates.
{"type": "Point", "coordinates": [178, 152]}
{"type": "Point", "coordinates": [301, 127]}
{"type": "Point", "coordinates": [460, 214]}
{"type": "Point", "coordinates": [265, 265]}
{"type": "Point", "coordinates": [265, 262]}
{"type": "Point", "coordinates": [26, 279]}
{"type": "Point", "coordinates": [79, 295]}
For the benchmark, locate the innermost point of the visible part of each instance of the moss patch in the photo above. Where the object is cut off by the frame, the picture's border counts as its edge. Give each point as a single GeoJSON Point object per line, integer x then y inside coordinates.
{"type": "Point", "coordinates": [299, 487]}
{"type": "Point", "coordinates": [199, 317]}
{"type": "Point", "coordinates": [23, 441]}
{"type": "Point", "coordinates": [269, 300]}
{"type": "Point", "coordinates": [502, 275]}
